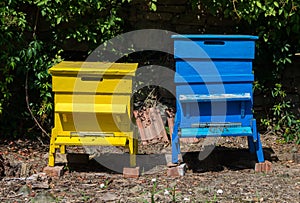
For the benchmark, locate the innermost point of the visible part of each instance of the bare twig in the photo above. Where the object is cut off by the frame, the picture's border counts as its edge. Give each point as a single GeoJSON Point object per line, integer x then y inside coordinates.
{"type": "Point", "coordinates": [28, 107]}
{"type": "Point", "coordinates": [41, 141]}
{"type": "Point", "coordinates": [147, 98]}
{"type": "Point", "coordinates": [235, 10]}
{"type": "Point", "coordinates": [36, 22]}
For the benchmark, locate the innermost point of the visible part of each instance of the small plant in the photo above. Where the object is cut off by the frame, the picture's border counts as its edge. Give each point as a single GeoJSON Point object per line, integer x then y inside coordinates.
{"type": "Point", "coordinates": [85, 197]}
{"type": "Point", "coordinates": [166, 191]}
{"type": "Point", "coordinates": [105, 184]}
{"type": "Point", "coordinates": [215, 199]}
{"type": "Point", "coordinates": [58, 199]}
{"type": "Point", "coordinates": [174, 193]}
{"type": "Point", "coordinates": [67, 168]}
{"type": "Point", "coordinates": [154, 190]}
{"type": "Point", "coordinates": [258, 196]}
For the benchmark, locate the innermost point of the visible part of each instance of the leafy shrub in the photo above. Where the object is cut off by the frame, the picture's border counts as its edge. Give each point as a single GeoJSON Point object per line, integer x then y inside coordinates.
{"type": "Point", "coordinates": [33, 34]}
{"type": "Point", "coordinates": [277, 23]}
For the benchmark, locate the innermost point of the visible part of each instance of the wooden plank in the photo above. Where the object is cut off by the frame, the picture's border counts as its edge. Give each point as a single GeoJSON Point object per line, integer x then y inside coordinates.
{"type": "Point", "coordinates": [91, 141]}
{"type": "Point", "coordinates": [204, 132]}
{"type": "Point", "coordinates": [202, 78]}
{"type": "Point", "coordinates": [75, 67]}
{"type": "Point", "coordinates": [91, 108]}
{"type": "Point", "coordinates": [214, 97]}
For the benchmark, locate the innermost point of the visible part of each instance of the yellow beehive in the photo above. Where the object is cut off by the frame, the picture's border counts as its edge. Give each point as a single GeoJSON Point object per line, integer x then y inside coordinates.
{"type": "Point", "coordinates": [92, 106]}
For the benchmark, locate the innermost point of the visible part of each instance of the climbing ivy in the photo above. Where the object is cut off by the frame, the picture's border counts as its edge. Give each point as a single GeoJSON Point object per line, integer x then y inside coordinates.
{"type": "Point", "coordinates": [33, 36]}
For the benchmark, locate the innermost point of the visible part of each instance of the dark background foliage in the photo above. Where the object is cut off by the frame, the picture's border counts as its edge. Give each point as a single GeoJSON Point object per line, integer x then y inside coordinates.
{"type": "Point", "coordinates": [36, 34]}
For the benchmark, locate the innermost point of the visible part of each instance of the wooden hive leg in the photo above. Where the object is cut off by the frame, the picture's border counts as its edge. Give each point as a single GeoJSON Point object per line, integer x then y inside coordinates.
{"type": "Point", "coordinates": [52, 149]}
{"type": "Point", "coordinates": [175, 142]}
{"type": "Point", "coordinates": [259, 150]}
{"type": "Point", "coordinates": [251, 144]}
{"type": "Point", "coordinates": [257, 143]}
{"type": "Point", "coordinates": [133, 148]}
{"type": "Point", "coordinates": [62, 149]}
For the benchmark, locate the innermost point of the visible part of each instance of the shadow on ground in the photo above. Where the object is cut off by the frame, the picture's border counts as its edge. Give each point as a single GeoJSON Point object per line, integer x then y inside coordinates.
{"type": "Point", "coordinates": [224, 157]}
{"type": "Point", "coordinates": [221, 158]}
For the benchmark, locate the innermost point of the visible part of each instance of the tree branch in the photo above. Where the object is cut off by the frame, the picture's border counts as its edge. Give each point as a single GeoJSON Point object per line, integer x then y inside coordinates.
{"type": "Point", "coordinates": [28, 107]}
{"type": "Point", "coordinates": [36, 22]}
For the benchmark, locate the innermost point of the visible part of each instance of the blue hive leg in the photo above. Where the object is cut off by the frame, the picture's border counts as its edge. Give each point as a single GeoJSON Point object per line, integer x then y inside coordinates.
{"type": "Point", "coordinates": [175, 142]}
{"type": "Point", "coordinates": [251, 144]}
{"type": "Point", "coordinates": [259, 150]}
{"type": "Point", "coordinates": [175, 137]}
{"type": "Point", "coordinates": [256, 142]}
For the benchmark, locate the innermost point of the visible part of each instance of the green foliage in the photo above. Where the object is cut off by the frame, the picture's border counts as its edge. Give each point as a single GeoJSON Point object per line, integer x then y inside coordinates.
{"type": "Point", "coordinates": [85, 20]}
{"type": "Point", "coordinates": [277, 23]}
{"type": "Point", "coordinates": [283, 121]}
{"type": "Point", "coordinates": [152, 5]}
{"type": "Point", "coordinates": [12, 22]}
{"type": "Point", "coordinates": [33, 35]}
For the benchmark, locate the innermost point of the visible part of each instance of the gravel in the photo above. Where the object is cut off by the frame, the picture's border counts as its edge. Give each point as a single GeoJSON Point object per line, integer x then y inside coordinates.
{"type": "Point", "coordinates": [226, 175]}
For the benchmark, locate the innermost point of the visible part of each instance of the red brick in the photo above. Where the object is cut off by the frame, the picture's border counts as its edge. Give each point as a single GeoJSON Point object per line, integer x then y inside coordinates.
{"type": "Point", "coordinates": [55, 171]}
{"type": "Point", "coordinates": [173, 172]}
{"type": "Point", "coordinates": [263, 167]}
{"type": "Point", "coordinates": [131, 172]}
{"type": "Point", "coordinates": [176, 171]}
{"type": "Point", "coordinates": [258, 167]}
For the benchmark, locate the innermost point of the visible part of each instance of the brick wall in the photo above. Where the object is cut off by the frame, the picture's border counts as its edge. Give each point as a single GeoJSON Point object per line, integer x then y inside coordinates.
{"type": "Point", "coordinates": [177, 16]}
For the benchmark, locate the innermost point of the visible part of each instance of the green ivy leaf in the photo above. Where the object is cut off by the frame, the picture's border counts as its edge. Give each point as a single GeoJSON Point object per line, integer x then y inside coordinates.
{"type": "Point", "coordinates": [258, 4]}
{"type": "Point", "coordinates": [153, 7]}
{"type": "Point", "coordinates": [58, 20]}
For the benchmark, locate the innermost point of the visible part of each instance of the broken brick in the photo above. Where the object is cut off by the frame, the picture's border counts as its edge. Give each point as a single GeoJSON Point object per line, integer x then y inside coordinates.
{"type": "Point", "coordinates": [176, 171]}
{"type": "Point", "coordinates": [151, 126]}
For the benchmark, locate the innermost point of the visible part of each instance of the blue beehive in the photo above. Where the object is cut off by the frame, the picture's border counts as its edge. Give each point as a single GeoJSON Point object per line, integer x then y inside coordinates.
{"type": "Point", "coordinates": [214, 88]}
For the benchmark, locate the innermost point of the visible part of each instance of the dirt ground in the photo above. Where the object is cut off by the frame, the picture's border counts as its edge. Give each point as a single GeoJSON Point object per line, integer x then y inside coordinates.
{"type": "Point", "coordinates": [226, 175]}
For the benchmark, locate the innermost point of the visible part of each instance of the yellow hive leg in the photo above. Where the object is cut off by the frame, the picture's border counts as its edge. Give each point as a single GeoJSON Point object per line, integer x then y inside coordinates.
{"type": "Point", "coordinates": [51, 153]}
{"type": "Point", "coordinates": [52, 148]}
{"type": "Point", "coordinates": [62, 149]}
{"type": "Point", "coordinates": [133, 148]}
{"type": "Point", "coordinates": [51, 156]}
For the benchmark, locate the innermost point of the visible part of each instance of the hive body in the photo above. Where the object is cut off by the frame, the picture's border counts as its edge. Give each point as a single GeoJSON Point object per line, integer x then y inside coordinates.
{"type": "Point", "coordinates": [214, 88]}
{"type": "Point", "coordinates": [92, 106]}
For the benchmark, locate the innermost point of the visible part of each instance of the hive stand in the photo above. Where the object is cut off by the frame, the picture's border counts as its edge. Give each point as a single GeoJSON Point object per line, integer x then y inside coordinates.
{"type": "Point", "coordinates": [214, 89]}
{"type": "Point", "coordinates": [92, 106]}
